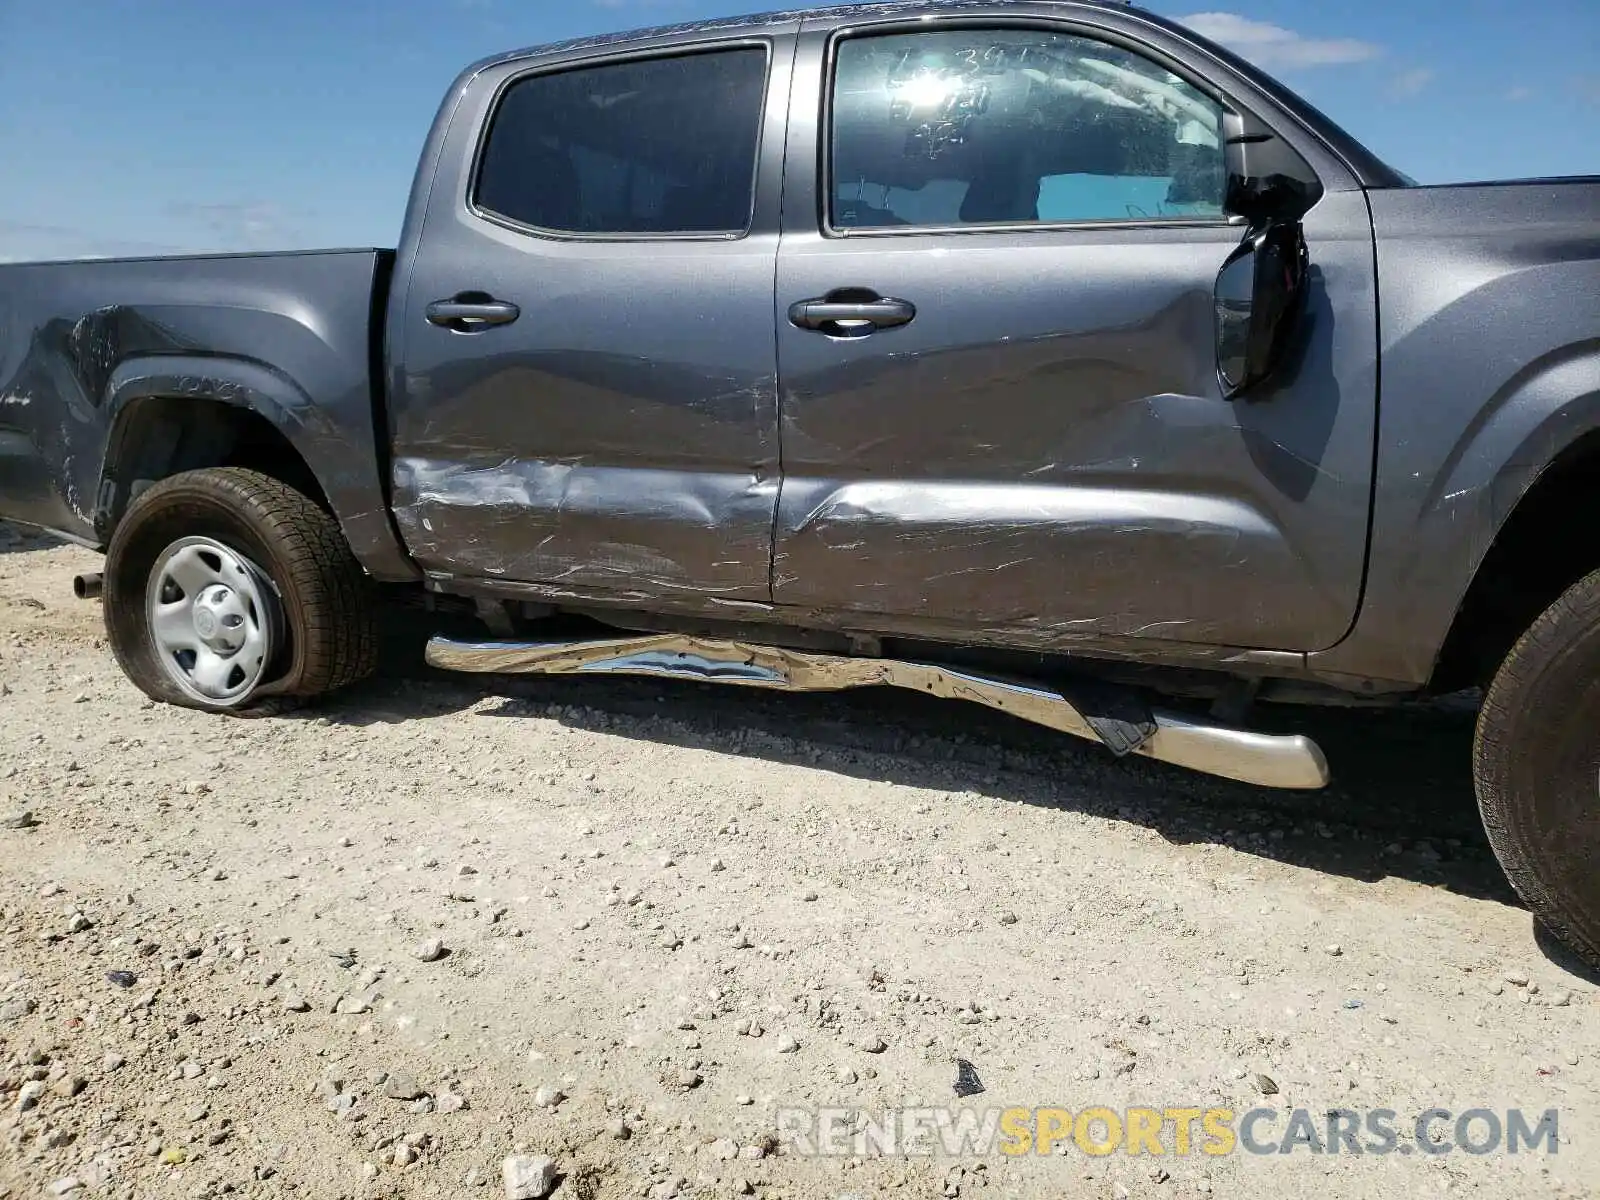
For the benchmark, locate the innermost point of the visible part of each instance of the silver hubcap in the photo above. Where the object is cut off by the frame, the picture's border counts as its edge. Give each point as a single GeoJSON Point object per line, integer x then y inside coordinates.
{"type": "Point", "coordinates": [212, 619]}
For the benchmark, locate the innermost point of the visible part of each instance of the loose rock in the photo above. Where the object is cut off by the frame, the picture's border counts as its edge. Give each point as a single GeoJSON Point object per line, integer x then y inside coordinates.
{"type": "Point", "coordinates": [528, 1177]}
{"type": "Point", "coordinates": [403, 1087]}
{"type": "Point", "coordinates": [449, 1102]}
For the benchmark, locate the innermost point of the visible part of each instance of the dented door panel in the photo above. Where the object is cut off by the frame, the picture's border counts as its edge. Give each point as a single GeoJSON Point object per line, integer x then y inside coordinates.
{"type": "Point", "coordinates": [1045, 448]}
{"type": "Point", "coordinates": [619, 438]}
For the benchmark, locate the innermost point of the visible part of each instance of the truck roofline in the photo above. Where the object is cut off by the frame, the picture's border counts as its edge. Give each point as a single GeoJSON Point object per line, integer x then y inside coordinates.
{"type": "Point", "coordinates": [1367, 167]}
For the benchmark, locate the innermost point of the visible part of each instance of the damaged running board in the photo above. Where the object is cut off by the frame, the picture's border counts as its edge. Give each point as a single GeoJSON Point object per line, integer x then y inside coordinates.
{"type": "Point", "coordinates": [1267, 760]}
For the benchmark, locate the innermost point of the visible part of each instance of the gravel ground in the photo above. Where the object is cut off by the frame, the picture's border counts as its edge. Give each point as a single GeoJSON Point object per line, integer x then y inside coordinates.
{"type": "Point", "coordinates": [381, 947]}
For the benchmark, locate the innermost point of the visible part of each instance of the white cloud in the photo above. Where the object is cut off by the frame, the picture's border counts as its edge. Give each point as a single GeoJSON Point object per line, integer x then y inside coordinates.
{"type": "Point", "coordinates": [1273, 46]}
{"type": "Point", "coordinates": [1518, 94]}
{"type": "Point", "coordinates": [1411, 83]}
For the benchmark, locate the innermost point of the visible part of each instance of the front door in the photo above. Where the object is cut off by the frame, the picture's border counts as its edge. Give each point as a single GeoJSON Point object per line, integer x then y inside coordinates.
{"type": "Point", "coordinates": [586, 398]}
{"type": "Point", "coordinates": [997, 367]}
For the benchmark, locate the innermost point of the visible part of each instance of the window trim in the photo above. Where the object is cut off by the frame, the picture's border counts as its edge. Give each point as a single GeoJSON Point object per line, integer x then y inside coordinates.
{"type": "Point", "coordinates": [825, 139]}
{"type": "Point", "coordinates": [486, 126]}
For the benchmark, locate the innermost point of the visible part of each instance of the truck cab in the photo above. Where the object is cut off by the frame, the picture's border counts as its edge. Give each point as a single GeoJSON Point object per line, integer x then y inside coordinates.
{"type": "Point", "coordinates": [806, 313]}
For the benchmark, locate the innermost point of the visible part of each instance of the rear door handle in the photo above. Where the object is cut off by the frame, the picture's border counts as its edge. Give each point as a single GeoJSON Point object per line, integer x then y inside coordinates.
{"type": "Point", "coordinates": [855, 316]}
{"type": "Point", "coordinates": [467, 313]}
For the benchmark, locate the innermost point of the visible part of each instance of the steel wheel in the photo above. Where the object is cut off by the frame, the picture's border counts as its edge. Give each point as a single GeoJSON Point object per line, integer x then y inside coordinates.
{"type": "Point", "coordinates": [214, 620]}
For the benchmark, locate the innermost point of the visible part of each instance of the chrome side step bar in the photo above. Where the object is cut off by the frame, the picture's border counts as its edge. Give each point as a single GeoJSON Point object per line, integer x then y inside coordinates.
{"type": "Point", "coordinates": [1267, 760]}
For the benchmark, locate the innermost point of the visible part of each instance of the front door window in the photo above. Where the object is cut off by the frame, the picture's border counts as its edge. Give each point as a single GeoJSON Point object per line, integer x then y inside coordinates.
{"type": "Point", "coordinates": [1016, 127]}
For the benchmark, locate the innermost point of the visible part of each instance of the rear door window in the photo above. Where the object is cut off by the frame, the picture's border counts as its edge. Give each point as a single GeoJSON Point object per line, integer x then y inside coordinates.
{"type": "Point", "coordinates": [637, 148]}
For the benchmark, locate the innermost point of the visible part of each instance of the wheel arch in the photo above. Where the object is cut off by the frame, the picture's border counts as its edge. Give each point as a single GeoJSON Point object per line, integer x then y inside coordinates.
{"type": "Point", "coordinates": [1548, 539]}
{"type": "Point", "coordinates": [168, 414]}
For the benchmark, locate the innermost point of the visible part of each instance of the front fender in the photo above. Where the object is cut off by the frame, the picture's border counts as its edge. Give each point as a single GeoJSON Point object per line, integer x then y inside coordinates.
{"type": "Point", "coordinates": [1531, 422]}
{"type": "Point", "coordinates": [1539, 413]}
{"type": "Point", "coordinates": [1490, 368]}
{"type": "Point", "coordinates": [1436, 519]}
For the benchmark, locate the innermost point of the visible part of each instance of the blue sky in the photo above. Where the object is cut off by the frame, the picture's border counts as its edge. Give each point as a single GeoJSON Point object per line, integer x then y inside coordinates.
{"type": "Point", "coordinates": [144, 127]}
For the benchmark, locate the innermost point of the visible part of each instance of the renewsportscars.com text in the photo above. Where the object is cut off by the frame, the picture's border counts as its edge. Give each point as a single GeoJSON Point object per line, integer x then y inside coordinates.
{"type": "Point", "coordinates": [1100, 1130]}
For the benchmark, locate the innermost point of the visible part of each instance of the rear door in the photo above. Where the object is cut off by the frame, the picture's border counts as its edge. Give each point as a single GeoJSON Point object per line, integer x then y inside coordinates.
{"type": "Point", "coordinates": [585, 399]}
{"type": "Point", "coordinates": [998, 390]}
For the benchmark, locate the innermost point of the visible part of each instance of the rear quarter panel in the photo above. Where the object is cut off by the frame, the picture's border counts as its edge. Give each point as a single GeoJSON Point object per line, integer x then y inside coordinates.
{"type": "Point", "coordinates": [287, 335]}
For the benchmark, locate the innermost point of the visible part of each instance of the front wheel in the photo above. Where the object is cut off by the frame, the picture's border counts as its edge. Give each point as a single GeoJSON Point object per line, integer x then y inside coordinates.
{"type": "Point", "coordinates": [1536, 763]}
{"type": "Point", "coordinates": [227, 589]}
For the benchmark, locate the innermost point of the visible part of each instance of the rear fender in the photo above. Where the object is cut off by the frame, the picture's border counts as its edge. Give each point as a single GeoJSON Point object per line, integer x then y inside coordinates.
{"type": "Point", "coordinates": [341, 467]}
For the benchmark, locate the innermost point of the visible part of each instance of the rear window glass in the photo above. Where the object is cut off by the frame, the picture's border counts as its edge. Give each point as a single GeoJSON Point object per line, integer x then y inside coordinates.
{"type": "Point", "coordinates": [652, 146]}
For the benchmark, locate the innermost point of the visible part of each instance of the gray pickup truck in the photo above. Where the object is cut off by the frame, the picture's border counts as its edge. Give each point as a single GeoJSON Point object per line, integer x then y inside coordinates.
{"type": "Point", "coordinates": [1042, 355]}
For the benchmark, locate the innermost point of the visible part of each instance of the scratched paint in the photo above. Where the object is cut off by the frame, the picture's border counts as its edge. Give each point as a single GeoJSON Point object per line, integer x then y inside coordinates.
{"type": "Point", "coordinates": [558, 523]}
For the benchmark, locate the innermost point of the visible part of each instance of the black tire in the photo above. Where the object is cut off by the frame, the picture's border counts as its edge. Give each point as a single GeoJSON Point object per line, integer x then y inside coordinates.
{"type": "Point", "coordinates": [1536, 763]}
{"type": "Point", "coordinates": [329, 635]}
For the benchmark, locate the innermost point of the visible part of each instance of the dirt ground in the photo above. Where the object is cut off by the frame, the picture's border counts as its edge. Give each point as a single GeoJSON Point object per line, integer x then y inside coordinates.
{"type": "Point", "coordinates": [676, 922]}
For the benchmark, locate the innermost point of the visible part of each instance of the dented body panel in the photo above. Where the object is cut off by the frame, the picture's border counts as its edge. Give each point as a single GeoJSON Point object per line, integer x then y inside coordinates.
{"type": "Point", "coordinates": [1045, 449]}
{"type": "Point", "coordinates": [621, 435]}
{"type": "Point", "coordinates": [1046, 446]}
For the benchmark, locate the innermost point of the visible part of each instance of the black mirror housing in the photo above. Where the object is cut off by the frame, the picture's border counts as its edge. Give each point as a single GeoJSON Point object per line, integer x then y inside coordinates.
{"type": "Point", "coordinates": [1260, 293]}
{"type": "Point", "coordinates": [1268, 180]}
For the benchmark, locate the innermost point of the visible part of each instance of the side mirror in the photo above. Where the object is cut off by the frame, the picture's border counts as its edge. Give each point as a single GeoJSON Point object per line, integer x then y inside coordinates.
{"type": "Point", "coordinates": [1260, 292]}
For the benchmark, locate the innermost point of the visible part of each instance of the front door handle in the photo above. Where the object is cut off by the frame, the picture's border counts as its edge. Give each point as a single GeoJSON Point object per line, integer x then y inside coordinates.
{"type": "Point", "coordinates": [851, 312]}
{"type": "Point", "coordinates": [471, 312]}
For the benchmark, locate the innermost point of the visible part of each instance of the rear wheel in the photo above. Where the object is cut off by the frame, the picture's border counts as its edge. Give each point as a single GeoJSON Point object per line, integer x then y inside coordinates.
{"type": "Point", "coordinates": [227, 589]}
{"type": "Point", "coordinates": [1536, 762]}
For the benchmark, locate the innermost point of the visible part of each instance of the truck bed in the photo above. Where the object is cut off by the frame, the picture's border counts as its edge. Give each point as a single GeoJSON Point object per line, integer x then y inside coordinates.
{"type": "Point", "coordinates": [290, 336]}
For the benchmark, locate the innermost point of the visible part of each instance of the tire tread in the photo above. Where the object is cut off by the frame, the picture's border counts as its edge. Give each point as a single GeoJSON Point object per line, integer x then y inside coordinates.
{"type": "Point", "coordinates": [1507, 753]}
{"type": "Point", "coordinates": [337, 637]}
